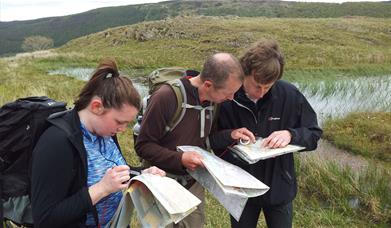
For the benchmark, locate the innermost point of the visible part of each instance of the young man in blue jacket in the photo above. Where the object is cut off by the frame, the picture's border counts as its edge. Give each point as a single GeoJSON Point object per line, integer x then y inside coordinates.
{"type": "Point", "coordinates": [276, 110]}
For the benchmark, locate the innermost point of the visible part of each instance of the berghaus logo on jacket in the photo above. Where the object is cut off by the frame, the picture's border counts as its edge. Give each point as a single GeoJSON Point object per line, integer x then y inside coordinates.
{"type": "Point", "coordinates": [271, 118]}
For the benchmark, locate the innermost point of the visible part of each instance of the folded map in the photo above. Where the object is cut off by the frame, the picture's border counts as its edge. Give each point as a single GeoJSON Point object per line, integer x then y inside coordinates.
{"type": "Point", "coordinates": [228, 183]}
{"type": "Point", "coordinates": [254, 152]}
{"type": "Point", "coordinates": [158, 201]}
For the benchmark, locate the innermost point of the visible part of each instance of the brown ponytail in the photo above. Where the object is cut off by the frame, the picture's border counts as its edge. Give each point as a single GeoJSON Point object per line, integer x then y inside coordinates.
{"type": "Point", "coordinates": [107, 84]}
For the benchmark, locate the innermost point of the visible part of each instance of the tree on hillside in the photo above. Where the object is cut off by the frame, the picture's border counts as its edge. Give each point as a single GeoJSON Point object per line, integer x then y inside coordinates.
{"type": "Point", "coordinates": [36, 43]}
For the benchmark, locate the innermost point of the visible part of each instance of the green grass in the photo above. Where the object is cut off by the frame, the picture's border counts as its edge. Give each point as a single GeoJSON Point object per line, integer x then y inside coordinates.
{"type": "Point", "coordinates": [366, 134]}
{"type": "Point", "coordinates": [337, 196]}
{"type": "Point", "coordinates": [356, 46]}
{"type": "Point", "coordinates": [23, 78]}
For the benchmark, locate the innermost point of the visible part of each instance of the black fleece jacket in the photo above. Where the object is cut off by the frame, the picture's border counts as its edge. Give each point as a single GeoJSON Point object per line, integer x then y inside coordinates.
{"type": "Point", "coordinates": [282, 108]}
{"type": "Point", "coordinates": [59, 192]}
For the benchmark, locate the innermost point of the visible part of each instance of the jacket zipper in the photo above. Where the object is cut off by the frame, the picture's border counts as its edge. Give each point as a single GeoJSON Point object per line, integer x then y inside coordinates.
{"type": "Point", "coordinates": [243, 106]}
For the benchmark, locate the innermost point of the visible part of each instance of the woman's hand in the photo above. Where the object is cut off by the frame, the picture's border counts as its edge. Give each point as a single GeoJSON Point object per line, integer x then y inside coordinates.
{"type": "Point", "coordinates": [114, 180]}
{"type": "Point", "coordinates": [155, 171]}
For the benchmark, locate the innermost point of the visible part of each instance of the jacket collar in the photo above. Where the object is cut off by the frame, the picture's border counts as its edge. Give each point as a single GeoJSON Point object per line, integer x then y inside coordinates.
{"type": "Point", "coordinates": [241, 98]}
{"type": "Point", "coordinates": [193, 92]}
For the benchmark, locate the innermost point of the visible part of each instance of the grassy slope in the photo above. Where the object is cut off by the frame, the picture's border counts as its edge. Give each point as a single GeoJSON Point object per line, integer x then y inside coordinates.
{"type": "Point", "coordinates": [63, 29]}
{"type": "Point", "coordinates": [320, 47]}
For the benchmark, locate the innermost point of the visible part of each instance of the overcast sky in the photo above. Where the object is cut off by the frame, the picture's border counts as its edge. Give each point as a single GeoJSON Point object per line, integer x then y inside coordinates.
{"type": "Point", "coordinates": [32, 9]}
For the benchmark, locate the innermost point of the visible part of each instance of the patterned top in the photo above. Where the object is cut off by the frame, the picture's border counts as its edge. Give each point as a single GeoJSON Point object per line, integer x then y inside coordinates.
{"type": "Point", "coordinates": [102, 154]}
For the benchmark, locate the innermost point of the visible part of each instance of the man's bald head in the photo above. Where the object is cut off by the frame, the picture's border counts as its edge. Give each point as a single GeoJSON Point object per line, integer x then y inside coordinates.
{"type": "Point", "coordinates": [218, 67]}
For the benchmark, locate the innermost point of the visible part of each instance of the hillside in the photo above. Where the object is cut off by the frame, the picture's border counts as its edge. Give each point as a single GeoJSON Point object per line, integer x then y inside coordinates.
{"type": "Point", "coordinates": [63, 29]}
{"type": "Point", "coordinates": [340, 44]}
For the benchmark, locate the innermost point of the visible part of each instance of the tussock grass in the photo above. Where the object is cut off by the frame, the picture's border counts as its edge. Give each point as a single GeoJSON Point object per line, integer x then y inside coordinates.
{"type": "Point", "coordinates": [367, 134]}
{"type": "Point", "coordinates": [336, 196]}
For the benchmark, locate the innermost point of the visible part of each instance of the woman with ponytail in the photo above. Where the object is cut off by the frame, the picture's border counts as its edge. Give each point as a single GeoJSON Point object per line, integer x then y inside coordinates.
{"type": "Point", "coordinates": [78, 170]}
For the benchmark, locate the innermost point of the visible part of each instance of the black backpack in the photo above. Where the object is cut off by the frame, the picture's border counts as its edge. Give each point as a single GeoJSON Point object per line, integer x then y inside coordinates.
{"type": "Point", "coordinates": [21, 124]}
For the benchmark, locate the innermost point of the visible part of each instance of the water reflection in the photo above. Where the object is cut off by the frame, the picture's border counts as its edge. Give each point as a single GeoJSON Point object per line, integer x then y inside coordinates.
{"type": "Point", "coordinates": [78, 72]}
{"type": "Point", "coordinates": [84, 74]}
{"type": "Point", "coordinates": [328, 98]}
{"type": "Point", "coordinates": [337, 98]}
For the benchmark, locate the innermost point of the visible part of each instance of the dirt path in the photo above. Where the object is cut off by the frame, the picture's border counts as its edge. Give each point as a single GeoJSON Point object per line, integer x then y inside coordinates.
{"type": "Point", "coordinates": [327, 151]}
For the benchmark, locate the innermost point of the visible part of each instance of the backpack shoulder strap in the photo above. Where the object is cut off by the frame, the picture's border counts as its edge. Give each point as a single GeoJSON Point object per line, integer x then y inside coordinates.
{"type": "Point", "coordinates": [182, 105]}
{"type": "Point", "coordinates": [180, 93]}
{"type": "Point", "coordinates": [60, 122]}
{"type": "Point", "coordinates": [214, 125]}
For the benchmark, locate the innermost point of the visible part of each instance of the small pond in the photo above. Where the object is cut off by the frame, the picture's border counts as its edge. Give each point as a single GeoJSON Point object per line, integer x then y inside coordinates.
{"type": "Point", "coordinates": [85, 73]}
{"type": "Point", "coordinates": [329, 99]}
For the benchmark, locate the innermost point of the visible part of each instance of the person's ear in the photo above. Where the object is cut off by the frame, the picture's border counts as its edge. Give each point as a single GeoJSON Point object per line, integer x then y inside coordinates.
{"type": "Point", "coordinates": [96, 106]}
{"type": "Point", "coordinates": [208, 84]}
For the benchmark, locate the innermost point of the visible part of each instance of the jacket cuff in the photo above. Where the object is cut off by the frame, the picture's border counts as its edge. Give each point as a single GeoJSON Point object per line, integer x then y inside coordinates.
{"type": "Point", "coordinates": [135, 171]}
{"type": "Point", "coordinates": [182, 168]}
{"type": "Point", "coordinates": [85, 196]}
{"type": "Point", "coordinates": [293, 135]}
{"type": "Point", "coordinates": [220, 140]}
